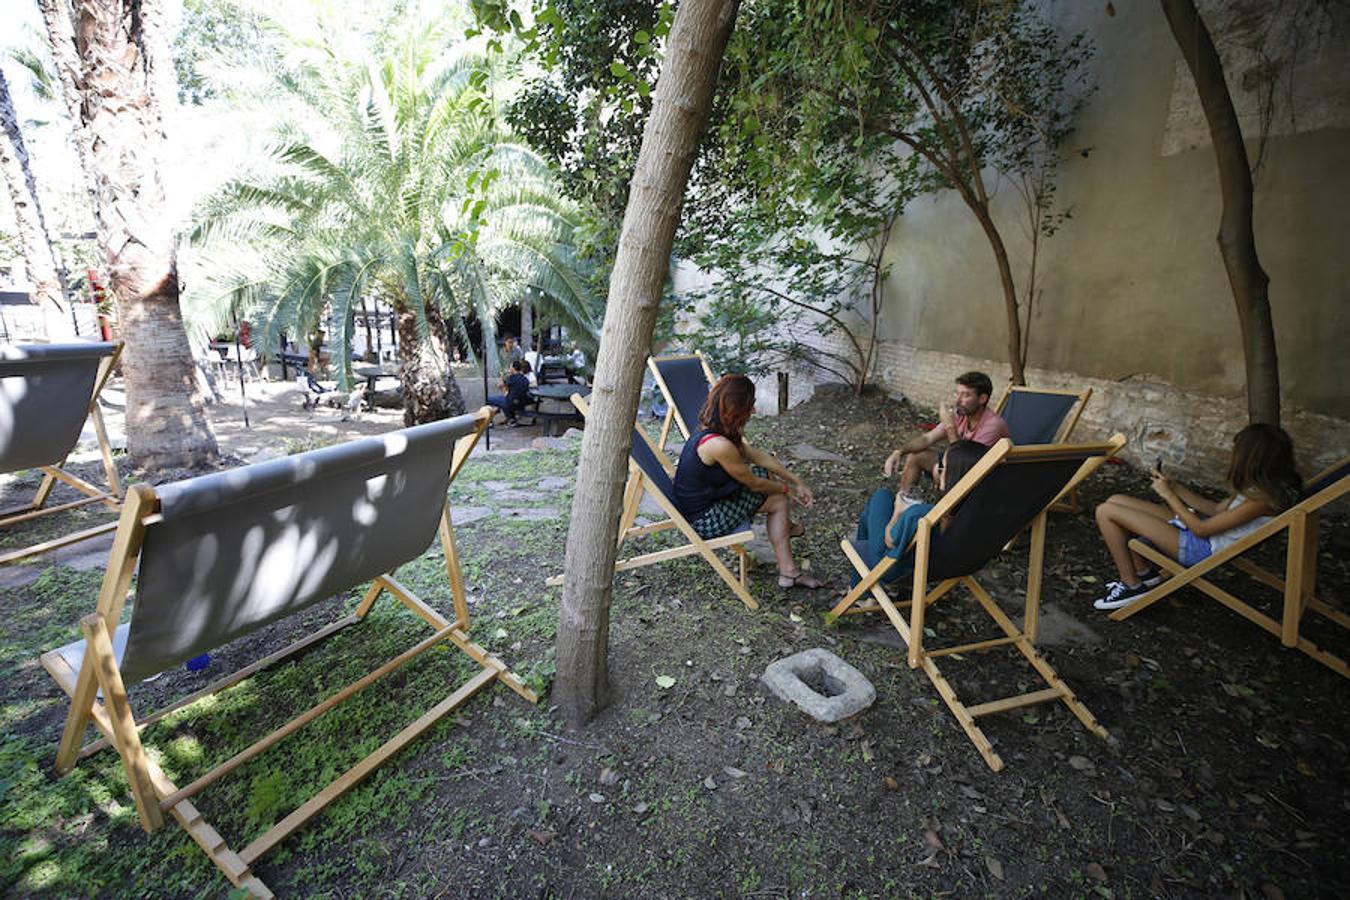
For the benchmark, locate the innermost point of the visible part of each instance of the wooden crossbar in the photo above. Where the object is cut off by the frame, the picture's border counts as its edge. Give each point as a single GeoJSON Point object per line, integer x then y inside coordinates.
{"type": "Point", "coordinates": [1015, 702]}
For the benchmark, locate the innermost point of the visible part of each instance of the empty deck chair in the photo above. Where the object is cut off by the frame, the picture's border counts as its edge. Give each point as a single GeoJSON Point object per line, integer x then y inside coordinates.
{"type": "Point", "coordinates": [1298, 586]}
{"type": "Point", "coordinates": [225, 554]}
{"type": "Point", "coordinates": [1009, 489]}
{"type": "Point", "coordinates": [1043, 416]}
{"type": "Point", "coordinates": [684, 381]}
{"type": "Point", "coordinates": [47, 391]}
{"type": "Point", "coordinates": [650, 472]}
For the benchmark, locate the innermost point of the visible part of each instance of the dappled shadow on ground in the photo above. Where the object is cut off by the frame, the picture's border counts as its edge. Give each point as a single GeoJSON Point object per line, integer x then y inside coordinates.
{"type": "Point", "coordinates": [1225, 771]}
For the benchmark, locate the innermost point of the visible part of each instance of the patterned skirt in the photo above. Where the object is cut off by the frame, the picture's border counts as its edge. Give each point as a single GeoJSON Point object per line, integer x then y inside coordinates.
{"type": "Point", "coordinates": [730, 513]}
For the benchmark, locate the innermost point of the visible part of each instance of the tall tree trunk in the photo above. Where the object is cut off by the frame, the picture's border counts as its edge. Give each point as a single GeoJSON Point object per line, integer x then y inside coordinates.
{"type": "Point", "coordinates": [680, 108]}
{"type": "Point", "coordinates": [44, 269]}
{"type": "Point", "coordinates": [527, 326]}
{"type": "Point", "coordinates": [57, 19]}
{"type": "Point", "coordinates": [429, 389]}
{"type": "Point", "coordinates": [1237, 242]}
{"type": "Point", "coordinates": [166, 418]}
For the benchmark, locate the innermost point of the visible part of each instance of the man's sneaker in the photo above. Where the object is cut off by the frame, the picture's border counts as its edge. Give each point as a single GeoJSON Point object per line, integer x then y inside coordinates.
{"type": "Point", "coordinates": [1119, 594]}
{"type": "Point", "coordinates": [1149, 577]}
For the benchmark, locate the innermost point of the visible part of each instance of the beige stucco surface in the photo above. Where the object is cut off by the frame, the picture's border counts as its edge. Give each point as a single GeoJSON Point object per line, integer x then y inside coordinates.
{"type": "Point", "coordinates": [1133, 285]}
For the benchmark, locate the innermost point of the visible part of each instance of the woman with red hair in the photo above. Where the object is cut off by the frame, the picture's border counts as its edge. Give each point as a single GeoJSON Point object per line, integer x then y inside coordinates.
{"type": "Point", "coordinates": [722, 481]}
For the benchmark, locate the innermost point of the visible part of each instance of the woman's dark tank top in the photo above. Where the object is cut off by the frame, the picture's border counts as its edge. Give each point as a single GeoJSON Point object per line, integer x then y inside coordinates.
{"type": "Point", "coordinates": [697, 484]}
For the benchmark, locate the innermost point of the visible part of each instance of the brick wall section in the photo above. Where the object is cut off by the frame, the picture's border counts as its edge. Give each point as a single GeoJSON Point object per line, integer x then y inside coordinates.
{"type": "Point", "coordinates": [1193, 433]}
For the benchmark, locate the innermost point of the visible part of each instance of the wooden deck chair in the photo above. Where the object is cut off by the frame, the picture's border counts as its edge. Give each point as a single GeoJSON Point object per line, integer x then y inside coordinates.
{"type": "Point", "coordinates": [47, 391]}
{"type": "Point", "coordinates": [1043, 416]}
{"type": "Point", "coordinates": [684, 381]}
{"type": "Point", "coordinates": [650, 472]}
{"type": "Point", "coordinates": [1009, 489]}
{"type": "Point", "coordinates": [225, 554]}
{"type": "Point", "coordinates": [1298, 586]}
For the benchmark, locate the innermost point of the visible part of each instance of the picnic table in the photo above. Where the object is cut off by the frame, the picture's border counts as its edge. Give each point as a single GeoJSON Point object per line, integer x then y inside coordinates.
{"type": "Point", "coordinates": [560, 395]}
{"type": "Point", "coordinates": [373, 374]}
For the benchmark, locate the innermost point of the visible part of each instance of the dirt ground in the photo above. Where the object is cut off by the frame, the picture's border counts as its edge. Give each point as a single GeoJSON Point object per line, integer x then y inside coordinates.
{"type": "Point", "coordinates": [1225, 773]}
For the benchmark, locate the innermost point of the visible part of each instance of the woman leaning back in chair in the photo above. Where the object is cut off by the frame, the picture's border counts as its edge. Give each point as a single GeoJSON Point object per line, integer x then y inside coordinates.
{"type": "Point", "coordinates": [889, 520]}
{"type": "Point", "coordinates": [1189, 527]}
{"type": "Point", "coordinates": [722, 481]}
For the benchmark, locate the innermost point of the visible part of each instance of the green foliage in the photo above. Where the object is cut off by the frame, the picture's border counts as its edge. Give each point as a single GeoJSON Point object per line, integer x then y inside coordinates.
{"type": "Point", "coordinates": [216, 33]}
{"type": "Point", "coordinates": [397, 182]}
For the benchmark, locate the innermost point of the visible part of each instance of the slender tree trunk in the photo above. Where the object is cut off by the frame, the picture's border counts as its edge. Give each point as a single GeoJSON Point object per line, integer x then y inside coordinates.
{"type": "Point", "coordinates": [1237, 242]}
{"type": "Point", "coordinates": [680, 109]}
{"type": "Point", "coordinates": [527, 326]}
{"type": "Point", "coordinates": [166, 418]}
{"type": "Point", "coordinates": [44, 269]}
{"type": "Point", "coordinates": [1005, 279]}
{"type": "Point", "coordinates": [57, 18]}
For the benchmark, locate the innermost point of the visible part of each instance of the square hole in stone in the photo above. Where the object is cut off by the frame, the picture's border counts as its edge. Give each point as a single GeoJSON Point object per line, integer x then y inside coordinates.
{"type": "Point", "coordinates": [818, 680]}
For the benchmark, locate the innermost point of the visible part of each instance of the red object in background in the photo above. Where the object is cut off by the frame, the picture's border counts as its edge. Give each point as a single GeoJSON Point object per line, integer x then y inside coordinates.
{"type": "Point", "coordinates": [927, 426]}
{"type": "Point", "coordinates": [100, 297]}
{"type": "Point", "coordinates": [244, 331]}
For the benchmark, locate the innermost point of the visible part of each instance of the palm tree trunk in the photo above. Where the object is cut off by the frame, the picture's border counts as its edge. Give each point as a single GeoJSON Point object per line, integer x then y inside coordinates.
{"type": "Point", "coordinates": [166, 418]}
{"type": "Point", "coordinates": [429, 389]}
{"type": "Point", "coordinates": [684, 95]}
{"type": "Point", "coordinates": [44, 269]}
{"type": "Point", "coordinates": [1237, 242]}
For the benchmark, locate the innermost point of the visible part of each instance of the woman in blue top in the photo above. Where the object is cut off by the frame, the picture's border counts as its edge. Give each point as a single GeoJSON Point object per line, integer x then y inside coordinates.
{"type": "Point", "coordinates": [889, 520]}
{"type": "Point", "coordinates": [722, 481]}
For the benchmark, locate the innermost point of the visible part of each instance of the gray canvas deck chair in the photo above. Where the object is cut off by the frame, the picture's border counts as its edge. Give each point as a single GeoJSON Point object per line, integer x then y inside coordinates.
{"type": "Point", "coordinates": [1043, 416]}
{"type": "Point", "coordinates": [1302, 523]}
{"type": "Point", "coordinates": [1009, 489]}
{"type": "Point", "coordinates": [684, 381]}
{"type": "Point", "coordinates": [225, 554]}
{"type": "Point", "coordinates": [650, 472]}
{"type": "Point", "coordinates": [47, 391]}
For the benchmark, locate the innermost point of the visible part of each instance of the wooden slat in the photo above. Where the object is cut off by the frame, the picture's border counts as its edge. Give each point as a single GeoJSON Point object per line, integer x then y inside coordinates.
{"type": "Point", "coordinates": [972, 647]}
{"type": "Point", "coordinates": [283, 829]}
{"type": "Point", "coordinates": [1015, 702]}
{"type": "Point", "coordinates": [68, 539]}
{"type": "Point", "coordinates": [81, 485]}
{"type": "Point", "coordinates": [24, 513]}
{"type": "Point", "coordinates": [303, 719]}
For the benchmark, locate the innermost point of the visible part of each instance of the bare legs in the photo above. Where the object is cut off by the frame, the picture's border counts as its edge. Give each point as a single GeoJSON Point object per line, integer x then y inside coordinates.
{"type": "Point", "coordinates": [1122, 517]}
{"type": "Point", "coordinates": [776, 508]}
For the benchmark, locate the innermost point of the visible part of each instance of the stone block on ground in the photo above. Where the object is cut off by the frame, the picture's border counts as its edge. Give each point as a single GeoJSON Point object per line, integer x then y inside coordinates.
{"type": "Point", "coordinates": [551, 443]}
{"type": "Point", "coordinates": [820, 684]}
{"type": "Point", "coordinates": [531, 513]}
{"type": "Point", "coordinates": [463, 515]}
{"type": "Point", "coordinates": [554, 483]}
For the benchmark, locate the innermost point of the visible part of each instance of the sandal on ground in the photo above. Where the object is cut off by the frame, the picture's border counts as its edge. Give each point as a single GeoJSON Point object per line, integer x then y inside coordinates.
{"type": "Point", "coordinates": [801, 579]}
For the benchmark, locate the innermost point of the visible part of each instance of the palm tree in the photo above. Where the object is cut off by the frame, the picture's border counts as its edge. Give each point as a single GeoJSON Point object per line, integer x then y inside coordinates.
{"type": "Point", "coordinates": [110, 85]}
{"type": "Point", "coordinates": [412, 194]}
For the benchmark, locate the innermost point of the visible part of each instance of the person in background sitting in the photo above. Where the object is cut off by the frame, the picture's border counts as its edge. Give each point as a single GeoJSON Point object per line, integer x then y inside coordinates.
{"type": "Point", "coordinates": [970, 419]}
{"type": "Point", "coordinates": [721, 481]}
{"type": "Point", "coordinates": [515, 388]}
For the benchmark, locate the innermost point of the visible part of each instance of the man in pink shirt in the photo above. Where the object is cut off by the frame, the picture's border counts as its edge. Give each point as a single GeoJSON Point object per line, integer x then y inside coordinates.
{"type": "Point", "coordinates": [970, 419]}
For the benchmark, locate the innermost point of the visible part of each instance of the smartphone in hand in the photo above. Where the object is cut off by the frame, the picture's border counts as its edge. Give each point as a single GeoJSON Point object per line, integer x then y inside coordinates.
{"type": "Point", "coordinates": [1157, 465]}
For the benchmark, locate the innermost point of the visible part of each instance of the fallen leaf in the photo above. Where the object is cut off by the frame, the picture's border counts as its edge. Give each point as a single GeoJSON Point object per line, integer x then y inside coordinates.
{"type": "Point", "coordinates": [1082, 764]}
{"type": "Point", "coordinates": [1095, 871]}
{"type": "Point", "coordinates": [608, 776]}
{"type": "Point", "coordinates": [929, 861]}
{"type": "Point", "coordinates": [930, 837]}
{"type": "Point", "coordinates": [891, 784]}
{"type": "Point", "coordinates": [709, 783]}
{"type": "Point", "coordinates": [994, 866]}
{"type": "Point", "coordinates": [735, 772]}
{"type": "Point", "coordinates": [541, 836]}
{"type": "Point", "coordinates": [665, 682]}
{"type": "Point", "coordinates": [866, 747]}
{"type": "Point", "coordinates": [640, 808]}
{"type": "Point", "coordinates": [597, 798]}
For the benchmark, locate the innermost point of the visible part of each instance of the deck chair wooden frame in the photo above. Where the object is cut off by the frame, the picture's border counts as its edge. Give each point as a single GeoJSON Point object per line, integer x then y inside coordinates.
{"type": "Point", "coordinates": [1070, 502]}
{"type": "Point", "coordinates": [55, 472]}
{"type": "Point", "coordinates": [685, 419]}
{"type": "Point", "coordinates": [153, 792]}
{"type": "Point", "coordinates": [1023, 639]}
{"type": "Point", "coordinates": [1298, 586]}
{"type": "Point", "coordinates": [640, 484]}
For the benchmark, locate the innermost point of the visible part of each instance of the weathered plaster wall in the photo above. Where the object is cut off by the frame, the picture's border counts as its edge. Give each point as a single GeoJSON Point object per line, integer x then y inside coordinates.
{"type": "Point", "coordinates": [1134, 300]}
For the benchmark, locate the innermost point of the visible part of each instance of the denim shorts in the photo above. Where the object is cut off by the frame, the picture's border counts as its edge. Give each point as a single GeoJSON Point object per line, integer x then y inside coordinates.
{"type": "Point", "coordinates": [1191, 549]}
